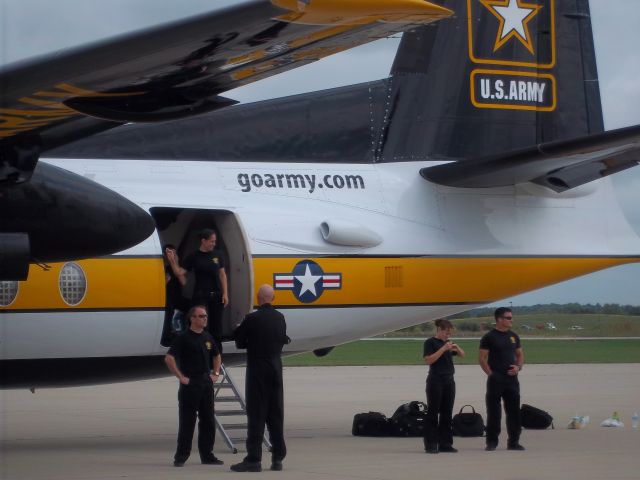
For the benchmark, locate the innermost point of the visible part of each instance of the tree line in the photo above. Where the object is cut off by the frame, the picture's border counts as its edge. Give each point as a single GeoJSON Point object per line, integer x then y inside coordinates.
{"type": "Point", "coordinates": [557, 308]}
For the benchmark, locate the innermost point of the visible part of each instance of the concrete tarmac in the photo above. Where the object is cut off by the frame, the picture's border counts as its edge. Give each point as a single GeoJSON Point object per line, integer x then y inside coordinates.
{"type": "Point", "coordinates": [128, 430]}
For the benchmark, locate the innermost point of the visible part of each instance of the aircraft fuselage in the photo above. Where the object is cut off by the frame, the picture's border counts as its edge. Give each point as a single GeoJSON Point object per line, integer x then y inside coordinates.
{"type": "Point", "coordinates": [353, 250]}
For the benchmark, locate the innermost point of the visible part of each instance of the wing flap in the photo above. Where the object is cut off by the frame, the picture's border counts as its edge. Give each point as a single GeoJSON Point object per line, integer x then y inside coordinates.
{"type": "Point", "coordinates": [557, 165]}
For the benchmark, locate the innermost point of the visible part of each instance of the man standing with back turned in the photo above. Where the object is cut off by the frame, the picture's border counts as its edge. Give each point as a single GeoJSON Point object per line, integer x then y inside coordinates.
{"type": "Point", "coordinates": [501, 358]}
{"type": "Point", "coordinates": [263, 333]}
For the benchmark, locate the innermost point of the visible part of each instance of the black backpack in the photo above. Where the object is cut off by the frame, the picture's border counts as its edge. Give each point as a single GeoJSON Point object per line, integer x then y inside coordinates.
{"type": "Point", "coordinates": [468, 424]}
{"type": "Point", "coordinates": [409, 420]}
{"type": "Point", "coordinates": [371, 424]}
{"type": "Point", "coordinates": [534, 418]}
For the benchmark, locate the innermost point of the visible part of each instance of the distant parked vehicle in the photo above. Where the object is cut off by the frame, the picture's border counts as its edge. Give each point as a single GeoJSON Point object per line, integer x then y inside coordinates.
{"type": "Point", "coordinates": [551, 326]}
{"type": "Point", "coordinates": [526, 327]}
{"type": "Point", "coordinates": [576, 327]}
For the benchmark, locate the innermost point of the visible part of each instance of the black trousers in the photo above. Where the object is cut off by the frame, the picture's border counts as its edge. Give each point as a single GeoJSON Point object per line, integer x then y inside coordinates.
{"type": "Point", "coordinates": [505, 388]}
{"type": "Point", "coordinates": [265, 405]}
{"type": "Point", "coordinates": [441, 393]}
{"type": "Point", "coordinates": [195, 400]}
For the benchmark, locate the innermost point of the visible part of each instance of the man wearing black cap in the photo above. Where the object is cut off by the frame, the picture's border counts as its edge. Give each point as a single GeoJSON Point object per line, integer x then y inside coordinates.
{"type": "Point", "coordinates": [263, 333]}
{"type": "Point", "coordinates": [195, 360]}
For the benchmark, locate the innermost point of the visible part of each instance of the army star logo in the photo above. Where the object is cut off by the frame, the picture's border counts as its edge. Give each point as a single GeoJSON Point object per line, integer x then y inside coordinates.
{"type": "Point", "coordinates": [307, 280]}
{"type": "Point", "coordinates": [514, 16]}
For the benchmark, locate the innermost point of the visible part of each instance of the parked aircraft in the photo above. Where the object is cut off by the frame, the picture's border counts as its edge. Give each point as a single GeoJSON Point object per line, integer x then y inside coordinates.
{"type": "Point", "coordinates": [472, 173]}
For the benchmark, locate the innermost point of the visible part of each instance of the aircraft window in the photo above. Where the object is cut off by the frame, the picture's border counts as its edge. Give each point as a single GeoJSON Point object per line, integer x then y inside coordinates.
{"type": "Point", "coordinates": [8, 292]}
{"type": "Point", "coordinates": [72, 283]}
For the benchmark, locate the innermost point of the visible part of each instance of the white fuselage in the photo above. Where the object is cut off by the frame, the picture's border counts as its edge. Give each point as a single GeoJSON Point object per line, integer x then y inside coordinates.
{"type": "Point", "coordinates": [399, 250]}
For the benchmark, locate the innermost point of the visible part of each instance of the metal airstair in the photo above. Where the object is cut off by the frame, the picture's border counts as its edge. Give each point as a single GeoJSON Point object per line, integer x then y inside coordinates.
{"type": "Point", "coordinates": [231, 412]}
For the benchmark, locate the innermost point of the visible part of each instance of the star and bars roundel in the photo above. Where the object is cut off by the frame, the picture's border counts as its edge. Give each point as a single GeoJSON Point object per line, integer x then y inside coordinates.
{"type": "Point", "coordinates": [307, 280]}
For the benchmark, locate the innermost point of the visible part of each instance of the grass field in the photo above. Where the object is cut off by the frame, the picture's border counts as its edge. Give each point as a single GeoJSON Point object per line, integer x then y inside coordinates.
{"type": "Point", "coordinates": [409, 352]}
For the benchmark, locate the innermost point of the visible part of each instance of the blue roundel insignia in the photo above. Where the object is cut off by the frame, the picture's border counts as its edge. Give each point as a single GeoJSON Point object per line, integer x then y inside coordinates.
{"type": "Point", "coordinates": [307, 280]}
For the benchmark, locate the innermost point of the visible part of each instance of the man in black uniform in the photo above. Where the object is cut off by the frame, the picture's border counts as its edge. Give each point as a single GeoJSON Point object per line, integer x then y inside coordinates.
{"type": "Point", "coordinates": [263, 333]}
{"type": "Point", "coordinates": [501, 358]}
{"type": "Point", "coordinates": [195, 360]}
{"type": "Point", "coordinates": [210, 287]}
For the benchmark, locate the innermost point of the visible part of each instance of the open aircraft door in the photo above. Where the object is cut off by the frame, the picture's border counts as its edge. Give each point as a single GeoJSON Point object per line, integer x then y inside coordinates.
{"type": "Point", "coordinates": [180, 226]}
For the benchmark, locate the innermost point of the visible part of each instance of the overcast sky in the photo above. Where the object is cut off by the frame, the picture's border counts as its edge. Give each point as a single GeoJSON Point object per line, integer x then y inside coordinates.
{"type": "Point", "coordinates": [31, 27]}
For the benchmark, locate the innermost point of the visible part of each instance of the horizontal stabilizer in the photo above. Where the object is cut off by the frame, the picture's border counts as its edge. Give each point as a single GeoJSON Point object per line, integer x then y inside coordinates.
{"type": "Point", "coordinates": [558, 165]}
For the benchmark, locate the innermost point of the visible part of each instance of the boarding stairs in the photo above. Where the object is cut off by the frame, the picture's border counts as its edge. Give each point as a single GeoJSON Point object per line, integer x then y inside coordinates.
{"type": "Point", "coordinates": [231, 412]}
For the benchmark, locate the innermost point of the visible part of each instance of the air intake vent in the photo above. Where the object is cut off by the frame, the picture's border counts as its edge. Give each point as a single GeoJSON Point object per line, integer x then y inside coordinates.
{"type": "Point", "coordinates": [393, 277]}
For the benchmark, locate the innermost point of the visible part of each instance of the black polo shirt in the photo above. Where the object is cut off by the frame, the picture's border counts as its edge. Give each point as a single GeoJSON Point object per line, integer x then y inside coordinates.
{"type": "Point", "coordinates": [502, 348]}
{"type": "Point", "coordinates": [194, 352]}
{"type": "Point", "coordinates": [206, 267]}
{"type": "Point", "coordinates": [444, 365]}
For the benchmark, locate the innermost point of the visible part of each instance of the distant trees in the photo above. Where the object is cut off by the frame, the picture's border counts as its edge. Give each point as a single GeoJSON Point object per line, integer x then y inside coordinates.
{"type": "Point", "coordinates": [556, 308]}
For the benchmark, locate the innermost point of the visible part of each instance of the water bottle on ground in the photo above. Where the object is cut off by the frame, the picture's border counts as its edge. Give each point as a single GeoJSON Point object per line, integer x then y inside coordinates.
{"type": "Point", "coordinates": [634, 420]}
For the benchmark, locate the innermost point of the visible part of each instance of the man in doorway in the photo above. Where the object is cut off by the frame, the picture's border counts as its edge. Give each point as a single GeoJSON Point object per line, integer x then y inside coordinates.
{"type": "Point", "coordinates": [195, 360]}
{"type": "Point", "coordinates": [263, 333]}
{"type": "Point", "coordinates": [502, 358]}
{"type": "Point", "coordinates": [210, 289]}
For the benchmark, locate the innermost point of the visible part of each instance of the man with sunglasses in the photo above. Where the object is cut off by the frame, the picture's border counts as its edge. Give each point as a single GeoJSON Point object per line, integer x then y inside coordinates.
{"type": "Point", "coordinates": [502, 358]}
{"type": "Point", "coordinates": [195, 360]}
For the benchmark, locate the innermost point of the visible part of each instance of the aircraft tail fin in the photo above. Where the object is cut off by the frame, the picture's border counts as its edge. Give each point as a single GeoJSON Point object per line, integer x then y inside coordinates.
{"type": "Point", "coordinates": [501, 75]}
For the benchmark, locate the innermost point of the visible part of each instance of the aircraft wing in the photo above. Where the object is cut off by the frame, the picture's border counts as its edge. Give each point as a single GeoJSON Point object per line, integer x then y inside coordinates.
{"type": "Point", "coordinates": [560, 165]}
{"type": "Point", "coordinates": [179, 69]}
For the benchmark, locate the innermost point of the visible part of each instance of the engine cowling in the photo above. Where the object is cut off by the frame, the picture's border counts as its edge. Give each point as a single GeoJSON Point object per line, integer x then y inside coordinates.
{"type": "Point", "coordinates": [66, 217]}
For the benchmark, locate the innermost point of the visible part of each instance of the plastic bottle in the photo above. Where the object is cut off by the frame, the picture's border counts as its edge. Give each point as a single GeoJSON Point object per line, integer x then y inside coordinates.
{"type": "Point", "coordinates": [615, 416]}
{"type": "Point", "coordinates": [634, 420]}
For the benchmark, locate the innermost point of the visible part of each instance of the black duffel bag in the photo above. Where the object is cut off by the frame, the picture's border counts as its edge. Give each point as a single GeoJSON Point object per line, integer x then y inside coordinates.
{"type": "Point", "coordinates": [534, 418]}
{"type": "Point", "coordinates": [409, 420]}
{"type": "Point", "coordinates": [468, 424]}
{"type": "Point", "coordinates": [371, 424]}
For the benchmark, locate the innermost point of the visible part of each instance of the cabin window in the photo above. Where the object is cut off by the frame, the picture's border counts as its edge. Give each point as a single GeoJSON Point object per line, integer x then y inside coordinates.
{"type": "Point", "coordinates": [8, 292]}
{"type": "Point", "coordinates": [73, 283]}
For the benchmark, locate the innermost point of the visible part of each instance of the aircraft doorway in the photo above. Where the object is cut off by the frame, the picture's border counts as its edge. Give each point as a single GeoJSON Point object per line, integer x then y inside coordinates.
{"type": "Point", "coordinates": [180, 226]}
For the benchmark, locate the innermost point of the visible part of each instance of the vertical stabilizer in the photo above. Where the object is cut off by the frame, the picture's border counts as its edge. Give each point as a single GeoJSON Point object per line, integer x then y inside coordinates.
{"type": "Point", "coordinates": [499, 76]}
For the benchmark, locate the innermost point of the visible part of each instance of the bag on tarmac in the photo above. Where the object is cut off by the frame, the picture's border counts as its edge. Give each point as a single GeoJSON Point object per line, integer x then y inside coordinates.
{"type": "Point", "coordinates": [467, 424]}
{"type": "Point", "coordinates": [535, 418]}
{"type": "Point", "coordinates": [409, 420]}
{"type": "Point", "coordinates": [371, 424]}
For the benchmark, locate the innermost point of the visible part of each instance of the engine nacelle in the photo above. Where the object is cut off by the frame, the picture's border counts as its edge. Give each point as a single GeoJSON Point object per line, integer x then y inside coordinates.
{"type": "Point", "coordinates": [65, 217]}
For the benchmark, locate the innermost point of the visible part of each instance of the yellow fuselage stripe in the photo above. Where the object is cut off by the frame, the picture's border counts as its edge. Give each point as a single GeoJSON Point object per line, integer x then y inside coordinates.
{"type": "Point", "coordinates": [432, 280]}
{"type": "Point", "coordinates": [112, 283]}
{"type": "Point", "coordinates": [138, 283]}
